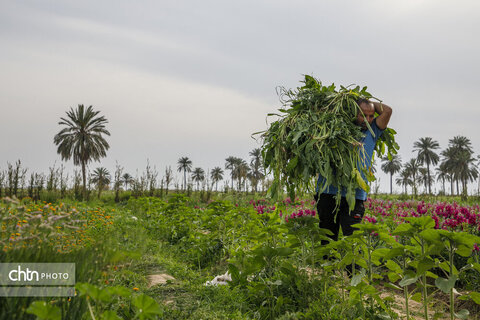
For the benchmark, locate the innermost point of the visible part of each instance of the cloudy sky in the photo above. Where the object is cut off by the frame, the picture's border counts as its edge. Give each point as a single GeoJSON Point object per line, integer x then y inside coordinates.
{"type": "Point", "coordinates": [197, 78]}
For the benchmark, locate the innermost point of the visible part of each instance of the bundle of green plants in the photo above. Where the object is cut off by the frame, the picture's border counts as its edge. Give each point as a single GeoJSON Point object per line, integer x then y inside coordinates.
{"type": "Point", "coordinates": [316, 133]}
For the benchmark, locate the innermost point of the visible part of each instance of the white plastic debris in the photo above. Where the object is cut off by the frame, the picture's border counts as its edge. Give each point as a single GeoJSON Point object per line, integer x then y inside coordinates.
{"type": "Point", "coordinates": [220, 280]}
{"type": "Point", "coordinates": [134, 218]}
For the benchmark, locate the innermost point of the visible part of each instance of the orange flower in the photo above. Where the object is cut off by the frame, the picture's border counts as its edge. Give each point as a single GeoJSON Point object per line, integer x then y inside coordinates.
{"type": "Point", "coordinates": [135, 289]}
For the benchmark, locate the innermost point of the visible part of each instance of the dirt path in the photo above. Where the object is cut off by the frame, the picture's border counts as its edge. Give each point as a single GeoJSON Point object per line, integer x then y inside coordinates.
{"type": "Point", "coordinates": [415, 308]}
{"type": "Point", "coordinates": [161, 278]}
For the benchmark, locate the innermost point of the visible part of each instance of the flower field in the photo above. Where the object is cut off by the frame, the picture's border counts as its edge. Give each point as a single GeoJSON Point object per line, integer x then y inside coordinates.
{"type": "Point", "coordinates": [410, 259]}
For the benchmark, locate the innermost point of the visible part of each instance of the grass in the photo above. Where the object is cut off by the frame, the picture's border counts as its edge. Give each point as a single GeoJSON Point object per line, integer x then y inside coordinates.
{"type": "Point", "coordinates": [132, 249]}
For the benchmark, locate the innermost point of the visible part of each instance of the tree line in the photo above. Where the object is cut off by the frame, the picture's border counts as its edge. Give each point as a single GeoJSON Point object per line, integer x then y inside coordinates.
{"type": "Point", "coordinates": [455, 165]}
{"type": "Point", "coordinates": [82, 138]}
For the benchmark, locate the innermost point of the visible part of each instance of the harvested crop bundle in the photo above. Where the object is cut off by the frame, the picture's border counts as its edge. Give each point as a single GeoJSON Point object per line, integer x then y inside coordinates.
{"type": "Point", "coordinates": [316, 134]}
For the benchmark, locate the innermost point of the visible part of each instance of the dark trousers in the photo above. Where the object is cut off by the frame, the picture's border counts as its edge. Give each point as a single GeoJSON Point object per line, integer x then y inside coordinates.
{"type": "Point", "coordinates": [326, 213]}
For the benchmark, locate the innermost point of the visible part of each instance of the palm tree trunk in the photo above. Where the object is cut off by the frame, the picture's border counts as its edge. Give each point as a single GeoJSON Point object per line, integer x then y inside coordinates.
{"type": "Point", "coordinates": [184, 179]}
{"type": "Point", "coordinates": [478, 190]}
{"type": "Point", "coordinates": [84, 177]}
{"type": "Point", "coordinates": [428, 177]}
{"type": "Point", "coordinates": [391, 177]}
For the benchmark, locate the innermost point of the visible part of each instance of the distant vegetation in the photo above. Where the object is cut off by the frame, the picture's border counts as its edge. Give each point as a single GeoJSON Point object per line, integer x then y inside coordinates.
{"type": "Point", "coordinates": [83, 138]}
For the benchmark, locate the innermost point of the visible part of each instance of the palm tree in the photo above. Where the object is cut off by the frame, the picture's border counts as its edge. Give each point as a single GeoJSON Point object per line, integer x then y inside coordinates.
{"type": "Point", "coordinates": [449, 165]}
{"type": "Point", "coordinates": [391, 167]}
{"type": "Point", "coordinates": [256, 166]}
{"type": "Point", "coordinates": [198, 175]}
{"type": "Point", "coordinates": [426, 155]}
{"type": "Point", "coordinates": [185, 165]}
{"type": "Point", "coordinates": [101, 177]}
{"type": "Point", "coordinates": [458, 161]}
{"type": "Point", "coordinates": [216, 175]}
{"type": "Point", "coordinates": [412, 169]}
{"type": "Point", "coordinates": [230, 165]}
{"type": "Point", "coordinates": [404, 179]}
{"type": "Point", "coordinates": [423, 177]}
{"type": "Point", "coordinates": [82, 138]}
{"type": "Point", "coordinates": [241, 172]}
{"type": "Point", "coordinates": [466, 170]}
{"type": "Point", "coordinates": [461, 143]}
{"type": "Point", "coordinates": [443, 175]}
{"type": "Point", "coordinates": [126, 180]}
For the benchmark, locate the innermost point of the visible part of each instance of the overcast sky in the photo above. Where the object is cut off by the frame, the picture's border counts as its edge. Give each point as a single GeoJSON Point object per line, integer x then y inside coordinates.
{"type": "Point", "coordinates": [197, 78]}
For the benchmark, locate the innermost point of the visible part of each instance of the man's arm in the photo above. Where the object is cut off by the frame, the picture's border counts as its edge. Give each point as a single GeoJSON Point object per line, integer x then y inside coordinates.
{"type": "Point", "coordinates": [384, 114]}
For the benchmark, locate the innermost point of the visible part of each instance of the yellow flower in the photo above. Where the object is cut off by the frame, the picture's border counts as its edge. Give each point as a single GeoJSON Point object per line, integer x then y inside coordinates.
{"type": "Point", "coordinates": [135, 289]}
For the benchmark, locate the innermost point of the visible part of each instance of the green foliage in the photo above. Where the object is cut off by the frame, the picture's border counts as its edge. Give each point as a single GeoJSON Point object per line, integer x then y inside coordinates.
{"type": "Point", "coordinates": [146, 307]}
{"type": "Point", "coordinates": [316, 133]}
{"type": "Point", "coordinates": [44, 311]}
{"type": "Point", "coordinates": [278, 266]}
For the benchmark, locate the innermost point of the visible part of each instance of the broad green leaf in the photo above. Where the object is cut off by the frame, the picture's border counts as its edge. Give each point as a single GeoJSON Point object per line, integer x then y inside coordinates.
{"type": "Point", "coordinates": [446, 284]}
{"type": "Point", "coordinates": [417, 297]}
{"type": "Point", "coordinates": [424, 265]}
{"type": "Point", "coordinates": [356, 279]}
{"type": "Point", "coordinates": [44, 310]}
{"type": "Point", "coordinates": [393, 277]}
{"type": "Point", "coordinates": [393, 266]}
{"type": "Point", "coordinates": [476, 266]}
{"type": "Point", "coordinates": [462, 314]}
{"type": "Point", "coordinates": [403, 229]}
{"type": "Point", "coordinates": [146, 307]}
{"type": "Point", "coordinates": [464, 251]}
{"type": "Point", "coordinates": [408, 280]}
{"type": "Point", "coordinates": [347, 259]}
{"type": "Point", "coordinates": [354, 296]}
{"type": "Point", "coordinates": [431, 235]}
{"type": "Point", "coordinates": [110, 315]}
{"type": "Point", "coordinates": [475, 296]}
{"type": "Point", "coordinates": [394, 252]}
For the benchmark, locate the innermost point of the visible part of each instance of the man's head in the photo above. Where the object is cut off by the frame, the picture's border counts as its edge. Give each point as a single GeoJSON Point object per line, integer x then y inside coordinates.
{"type": "Point", "coordinates": [368, 113]}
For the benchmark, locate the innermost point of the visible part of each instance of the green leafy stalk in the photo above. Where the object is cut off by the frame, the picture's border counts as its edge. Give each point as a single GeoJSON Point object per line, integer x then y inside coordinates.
{"type": "Point", "coordinates": [316, 133]}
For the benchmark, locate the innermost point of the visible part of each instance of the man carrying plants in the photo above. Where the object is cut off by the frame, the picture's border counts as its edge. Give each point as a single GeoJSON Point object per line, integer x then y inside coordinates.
{"type": "Point", "coordinates": [330, 218]}
{"type": "Point", "coordinates": [329, 132]}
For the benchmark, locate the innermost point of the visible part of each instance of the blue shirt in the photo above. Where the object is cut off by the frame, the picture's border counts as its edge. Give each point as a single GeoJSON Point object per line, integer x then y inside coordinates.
{"type": "Point", "coordinates": [368, 142]}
